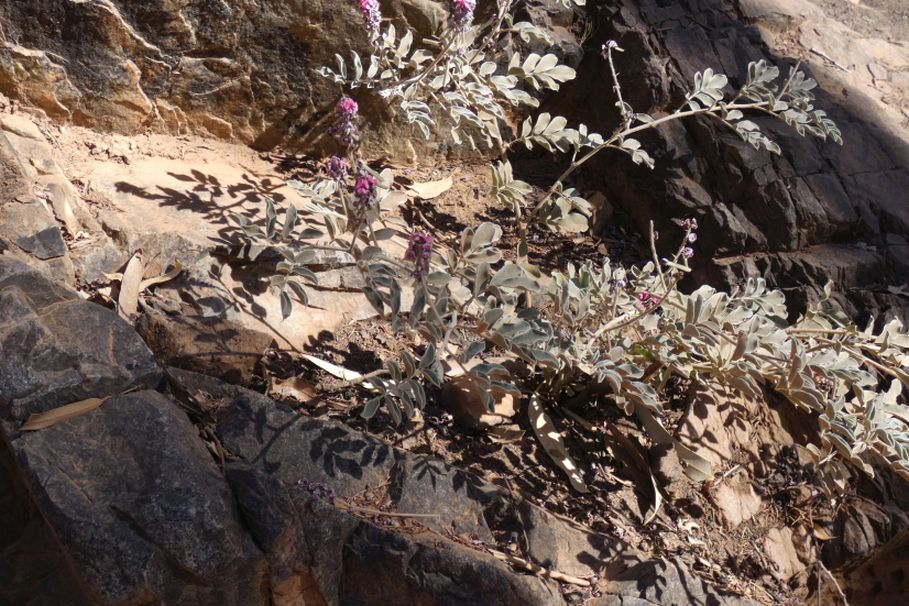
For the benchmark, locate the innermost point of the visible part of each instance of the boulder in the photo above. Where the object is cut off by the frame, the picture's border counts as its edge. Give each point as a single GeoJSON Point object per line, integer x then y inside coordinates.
{"type": "Point", "coordinates": [209, 345]}
{"type": "Point", "coordinates": [139, 507]}
{"type": "Point", "coordinates": [59, 349]}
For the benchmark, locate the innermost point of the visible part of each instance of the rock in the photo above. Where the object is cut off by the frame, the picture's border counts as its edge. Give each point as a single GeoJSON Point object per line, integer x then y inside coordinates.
{"type": "Point", "coordinates": [569, 548]}
{"type": "Point", "coordinates": [47, 360]}
{"type": "Point", "coordinates": [721, 426]}
{"type": "Point", "coordinates": [458, 499]}
{"type": "Point", "coordinates": [817, 212]}
{"type": "Point", "coordinates": [33, 229]}
{"type": "Point", "coordinates": [858, 529]}
{"type": "Point", "coordinates": [669, 582]}
{"type": "Point", "coordinates": [208, 345]}
{"type": "Point", "coordinates": [880, 579]}
{"type": "Point", "coordinates": [780, 550]}
{"type": "Point", "coordinates": [231, 69]}
{"type": "Point", "coordinates": [737, 501]}
{"type": "Point", "coordinates": [139, 506]}
{"type": "Point", "coordinates": [434, 573]}
{"type": "Point", "coordinates": [276, 448]}
{"type": "Point", "coordinates": [32, 567]}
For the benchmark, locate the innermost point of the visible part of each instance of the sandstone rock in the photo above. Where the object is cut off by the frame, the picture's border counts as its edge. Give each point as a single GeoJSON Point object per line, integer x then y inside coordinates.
{"type": "Point", "coordinates": [237, 70]}
{"type": "Point", "coordinates": [780, 550]}
{"type": "Point", "coordinates": [462, 396]}
{"type": "Point", "coordinates": [48, 360]}
{"type": "Point", "coordinates": [737, 501]}
{"type": "Point", "coordinates": [209, 345]}
{"type": "Point", "coordinates": [139, 506]}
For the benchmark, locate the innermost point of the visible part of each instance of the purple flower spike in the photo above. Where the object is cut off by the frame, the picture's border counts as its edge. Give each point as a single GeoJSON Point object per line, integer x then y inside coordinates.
{"type": "Point", "coordinates": [419, 250]}
{"type": "Point", "coordinates": [462, 14]}
{"type": "Point", "coordinates": [345, 128]}
{"type": "Point", "coordinates": [365, 190]}
{"type": "Point", "coordinates": [372, 16]}
{"type": "Point", "coordinates": [337, 168]}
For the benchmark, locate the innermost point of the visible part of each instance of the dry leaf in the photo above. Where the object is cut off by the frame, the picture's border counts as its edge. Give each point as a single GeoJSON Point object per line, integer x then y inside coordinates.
{"type": "Point", "coordinates": [295, 388]}
{"type": "Point", "coordinates": [338, 371]}
{"type": "Point", "coordinates": [165, 277]}
{"type": "Point", "coordinates": [551, 440]}
{"type": "Point", "coordinates": [821, 533]}
{"type": "Point", "coordinates": [51, 417]}
{"type": "Point", "coordinates": [128, 300]}
{"type": "Point", "coordinates": [431, 189]}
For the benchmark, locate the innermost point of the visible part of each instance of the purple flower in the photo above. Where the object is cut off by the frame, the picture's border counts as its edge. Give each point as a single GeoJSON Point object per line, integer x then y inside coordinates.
{"type": "Point", "coordinates": [691, 224]}
{"type": "Point", "coordinates": [337, 168]}
{"type": "Point", "coordinates": [372, 16]}
{"type": "Point", "coordinates": [365, 190]}
{"type": "Point", "coordinates": [347, 108]}
{"type": "Point", "coordinates": [462, 14]}
{"type": "Point", "coordinates": [610, 45]}
{"type": "Point", "coordinates": [647, 298]}
{"type": "Point", "coordinates": [692, 237]}
{"type": "Point", "coordinates": [688, 252]}
{"type": "Point", "coordinates": [345, 128]}
{"type": "Point", "coordinates": [419, 250]}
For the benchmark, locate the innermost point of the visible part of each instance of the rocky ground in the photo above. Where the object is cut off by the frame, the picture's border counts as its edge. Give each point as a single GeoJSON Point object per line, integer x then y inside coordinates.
{"type": "Point", "coordinates": [190, 456]}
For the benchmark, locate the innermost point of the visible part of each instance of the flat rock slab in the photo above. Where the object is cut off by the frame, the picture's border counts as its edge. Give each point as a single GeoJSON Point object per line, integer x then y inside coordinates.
{"type": "Point", "coordinates": [195, 200]}
{"type": "Point", "coordinates": [58, 349]}
{"type": "Point", "coordinates": [139, 506]}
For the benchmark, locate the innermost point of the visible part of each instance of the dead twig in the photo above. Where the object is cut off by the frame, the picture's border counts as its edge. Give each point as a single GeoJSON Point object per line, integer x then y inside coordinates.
{"type": "Point", "coordinates": [538, 570]}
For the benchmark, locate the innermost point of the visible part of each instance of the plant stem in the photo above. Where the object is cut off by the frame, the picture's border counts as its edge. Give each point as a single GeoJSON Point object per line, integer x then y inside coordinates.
{"type": "Point", "coordinates": [625, 133]}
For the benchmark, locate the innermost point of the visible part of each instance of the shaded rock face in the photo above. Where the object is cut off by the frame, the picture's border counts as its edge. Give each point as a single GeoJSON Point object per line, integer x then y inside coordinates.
{"type": "Point", "coordinates": [47, 325]}
{"type": "Point", "coordinates": [358, 562]}
{"type": "Point", "coordinates": [232, 69]}
{"type": "Point", "coordinates": [818, 212]}
{"type": "Point", "coordinates": [160, 525]}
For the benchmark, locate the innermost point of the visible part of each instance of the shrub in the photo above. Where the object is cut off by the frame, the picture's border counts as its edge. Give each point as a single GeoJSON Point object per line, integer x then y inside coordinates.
{"type": "Point", "coordinates": [598, 330]}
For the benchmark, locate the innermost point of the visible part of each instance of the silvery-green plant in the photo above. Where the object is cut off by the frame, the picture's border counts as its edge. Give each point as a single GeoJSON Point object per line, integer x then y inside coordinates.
{"type": "Point", "coordinates": [596, 330]}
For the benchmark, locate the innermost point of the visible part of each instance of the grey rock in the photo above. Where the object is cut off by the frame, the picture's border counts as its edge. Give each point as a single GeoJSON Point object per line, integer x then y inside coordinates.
{"type": "Point", "coordinates": [664, 582]}
{"type": "Point", "coordinates": [139, 507]}
{"type": "Point", "coordinates": [33, 229]}
{"type": "Point", "coordinates": [59, 349]}
{"type": "Point", "coordinates": [32, 568]}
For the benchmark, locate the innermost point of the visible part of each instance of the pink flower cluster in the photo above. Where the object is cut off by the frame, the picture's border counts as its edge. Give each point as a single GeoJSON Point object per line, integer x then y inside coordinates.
{"type": "Point", "coordinates": [648, 300]}
{"type": "Point", "coordinates": [365, 190]}
{"type": "Point", "coordinates": [419, 250]}
{"type": "Point", "coordinates": [337, 168]}
{"type": "Point", "coordinates": [462, 14]}
{"type": "Point", "coordinates": [345, 128]}
{"type": "Point", "coordinates": [372, 16]}
{"type": "Point", "coordinates": [692, 226]}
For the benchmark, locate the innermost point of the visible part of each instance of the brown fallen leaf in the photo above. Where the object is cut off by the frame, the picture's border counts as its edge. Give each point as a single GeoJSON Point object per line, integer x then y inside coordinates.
{"type": "Point", "coordinates": [295, 388]}
{"type": "Point", "coordinates": [43, 420]}
{"type": "Point", "coordinates": [431, 189]}
{"type": "Point", "coordinates": [165, 277]}
{"type": "Point", "coordinates": [130, 287]}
